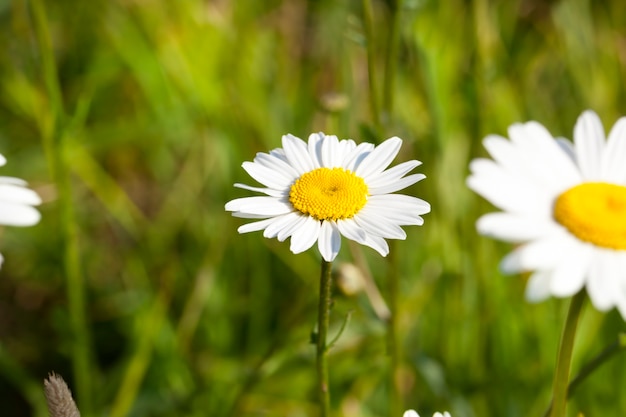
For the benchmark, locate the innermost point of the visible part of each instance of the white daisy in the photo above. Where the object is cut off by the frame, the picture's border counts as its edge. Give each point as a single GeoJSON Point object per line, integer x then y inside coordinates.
{"type": "Point", "coordinates": [320, 190]}
{"type": "Point", "coordinates": [16, 201]}
{"type": "Point", "coordinates": [413, 413]}
{"type": "Point", "coordinates": [565, 203]}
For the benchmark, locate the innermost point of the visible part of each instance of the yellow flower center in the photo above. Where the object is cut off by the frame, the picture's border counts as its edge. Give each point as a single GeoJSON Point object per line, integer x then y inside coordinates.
{"type": "Point", "coordinates": [329, 194]}
{"type": "Point", "coordinates": [594, 212]}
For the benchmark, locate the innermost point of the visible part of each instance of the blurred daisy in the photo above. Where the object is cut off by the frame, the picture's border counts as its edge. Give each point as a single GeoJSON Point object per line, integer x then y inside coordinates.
{"type": "Point", "coordinates": [565, 203]}
{"type": "Point", "coordinates": [16, 202]}
{"type": "Point", "coordinates": [413, 413]}
{"type": "Point", "coordinates": [326, 188]}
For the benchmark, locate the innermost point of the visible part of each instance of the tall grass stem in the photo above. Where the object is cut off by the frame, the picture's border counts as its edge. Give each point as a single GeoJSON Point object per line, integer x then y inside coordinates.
{"type": "Point", "coordinates": [54, 136]}
{"type": "Point", "coordinates": [393, 44]}
{"type": "Point", "coordinates": [564, 358]}
{"type": "Point", "coordinates": [368, 23]}
{"type": "Point", "coordinates": [608, 352]}
{"type": "Point", "coordinates": [394, 346]}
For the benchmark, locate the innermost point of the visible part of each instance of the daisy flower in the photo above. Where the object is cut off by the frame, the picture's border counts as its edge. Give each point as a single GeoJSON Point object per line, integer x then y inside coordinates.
{"type": "Point", "coordinates": [16, 202]}
{"type": "Point", "coordinates": [326, 188]}
{"type": "Point", "coordinates": [413, 413]}
{"type": "Point", "coordinates": [565, 203]}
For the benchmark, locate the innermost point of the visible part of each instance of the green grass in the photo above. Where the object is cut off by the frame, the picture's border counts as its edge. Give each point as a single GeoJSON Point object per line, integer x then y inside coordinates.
{"type": "Point", "coordinates": [161, 102]}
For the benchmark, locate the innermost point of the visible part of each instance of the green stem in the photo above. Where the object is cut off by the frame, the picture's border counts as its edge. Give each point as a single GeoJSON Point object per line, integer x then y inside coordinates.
{"type": "Point", "coordinates": [391, 58]}
{"type": "Point", "coordinates": [564, 359]}
{"type": "Point", "coordinates": [322, 332]}
{"type": "Point", "coordinates": [368, 21]}
{"type": "Point", "coordinates": [595, 363]}
{"type": "Point", "coordinates": [54, 135]}
{"type": "Point", "coordinates": [395, 398]}
{"type": "Point", "coordinates": [48, 66]}
{"type": "Point", "coordinates": [589, 368]}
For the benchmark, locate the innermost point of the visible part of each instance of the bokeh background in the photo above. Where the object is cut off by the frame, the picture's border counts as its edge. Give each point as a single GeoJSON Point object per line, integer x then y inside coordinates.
{"type": "Point", "coordinates": [131, 119]}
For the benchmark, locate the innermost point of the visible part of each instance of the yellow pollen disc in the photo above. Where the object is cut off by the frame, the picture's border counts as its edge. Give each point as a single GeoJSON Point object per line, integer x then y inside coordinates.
{"type": "Point", "coordinates": [594, 212]}
{"type": "Point", "coordinates": [329, 194]}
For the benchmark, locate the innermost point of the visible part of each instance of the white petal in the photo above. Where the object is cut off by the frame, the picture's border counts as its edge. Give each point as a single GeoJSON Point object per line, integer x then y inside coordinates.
{"type": "Point", "coordinates": [280, 154]}
{"type": "Point", "coordinates": [619, 265]}
{"type": "Point", "coordinates": [614, 274]}
{"type": "Point", "coordinates": [398, 215]}
{"type": "Point", "coordinates": [260, 206]}
{"type": "Point", "coordinates": [569, 276]}
{"type": "Point", "coordinates": [567, 147]}
{"type": "Point", "coordinates": [349, 229]}
{"type": "Point", "coordinates": [352, 231]}
{"type": "Point", "coordinates": [378, 244]}
{"type": "Point", "coordinates": [506, 154]}
{"type": "Point", "coordinates": [19, 195]}
{"type": "Point", "coordinates": [13, 180]}
{"type": "Point", "coordinates": [410, 413]}
{"type": "Point", "coordinates": [329, 241]}
{"type": "Point", "coordinates": [599, 283]}
{"type": "Point", "coordinates": [256, 226]}
{"type": "Point", "coordinates": [379, 159]}
{"type": "Point", "coordinates": [269, 191]}
{"type": "Point", "coordinates": [399, 206]}
{"type": "Point", "coordinates": [377, 225]}
{"type": "Point", "coordinates": [620, 294]}
{"type": "Point", "coordinates": [399, 202]}
{"type": "Point", "coordinates": [305, 235]}
{"type": "Point", "coordinates": [291, 228]}
{"type": "Point", "coordinates": [589, 145]}
{"type": "Point", "coordinates": [539, 254]}
{"type": "Point", "coordinates": [515, 228]}
{"type": "Point", "coordinates": [277, 163]}
{"type": "Point", "coordinates": [538, 286]}
{"type": "Point", "coordinates": [330, 152]}
{"type": "Point", "coordinates": [547, 164]}
{"type": "Point", "coordinates": [268, 177]}
{"type": "Point", "coordinates": [393, 174]}
{"type": "Point", "coordinates": [3, 160]}
{"type": "Point", "coordinates": [357, 155]}
{"type": "Point", "coordinates": [397, 185]}
{"type": "Point", "coordinates": [314, 146]}
{"type": "Point", "coordinates": [282, 224]}
{"type": "Point", "coordinates": [297, 154]}
{"type": "Point", "coordinates": [18, 215]}
{"type": "Point", "coordinates": [345, 148]}
{"type": "Point", "coordinates": [509, 193]}
{"type": "Point", "coordinates": [248, 215]}
{"type": "Point", "coordinates": [614, 158]}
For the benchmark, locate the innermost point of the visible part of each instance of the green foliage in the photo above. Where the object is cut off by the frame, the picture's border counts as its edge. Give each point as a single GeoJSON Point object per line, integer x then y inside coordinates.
{"type": "Point", "coordinates": [161, 102]}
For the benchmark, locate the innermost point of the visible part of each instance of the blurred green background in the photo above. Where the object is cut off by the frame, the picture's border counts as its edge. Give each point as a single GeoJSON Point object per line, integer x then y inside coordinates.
{"type": "Point", "coordinates": [133, 130]}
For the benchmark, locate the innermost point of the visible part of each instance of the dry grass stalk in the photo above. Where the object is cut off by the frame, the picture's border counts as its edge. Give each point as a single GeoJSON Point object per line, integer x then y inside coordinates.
{"type": "Point", "coordinates": [59, 397]}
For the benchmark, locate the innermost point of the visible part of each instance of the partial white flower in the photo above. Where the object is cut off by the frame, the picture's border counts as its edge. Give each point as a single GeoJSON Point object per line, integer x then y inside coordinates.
{"type": "Point", "coordinates": [413, 413]}
{"type": "Point", "coordinates": [565, 203]}
{"type": "Point", "coordinates": [326, 188]}
{"type": "Point", "coordinates": [16, 202]}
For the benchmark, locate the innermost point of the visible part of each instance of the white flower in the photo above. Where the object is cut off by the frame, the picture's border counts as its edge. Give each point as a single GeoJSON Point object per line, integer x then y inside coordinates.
{"type": "Point", "coordinates": [413, 413]}
{"type": "Point", "coordinates": [16, 201]}
{"type": "Point", "coordinates": [326, 188]}
{"type": "Point", "coordinates": [565, 203]}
